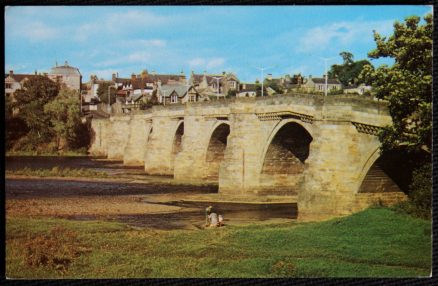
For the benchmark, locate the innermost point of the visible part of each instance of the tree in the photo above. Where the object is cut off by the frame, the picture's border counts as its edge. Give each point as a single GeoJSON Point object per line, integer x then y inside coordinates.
{"type": "Point", "coordinates": [15, 126]}
{"type": "Point", "coordinates": [102, 92]}
{"type": "Point", "coordinates": [30, 101]}
{"type": "Point", "coordinates": [274, 85]}
{"type": "Point", "coordinates": [64, 117]}
{"type": "Point", "coordinates": [348, 73]}
{"type": "Point", "coordinates": [406, 85]}
{"type": "Point", "coordinates": [347, 57]}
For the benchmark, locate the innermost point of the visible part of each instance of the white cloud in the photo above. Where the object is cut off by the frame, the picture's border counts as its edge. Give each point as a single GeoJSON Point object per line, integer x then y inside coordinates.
{"type": "Point", "coordinates": [33, 31]}
{"type": "Point", "coordinates": [206, 63]}
{"type": "Point", "coordinates": [117, 24]}
{"type": "Point", "coordinates": [137, 57]}
{"type": "Point", "coordinates": [341, 33]}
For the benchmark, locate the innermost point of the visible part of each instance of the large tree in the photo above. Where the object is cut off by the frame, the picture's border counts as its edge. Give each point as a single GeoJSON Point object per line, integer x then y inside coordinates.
{"type": "Point", "coordinates": [348, 73]}
{"type": "Point", "coordinates": [64, 117]}
{"type": "Point", "coordinates": [30, 101]}
{"type": "Point", "coordinates": [102, 92]}
{"type": "Point", "coordinates": [407, 84]}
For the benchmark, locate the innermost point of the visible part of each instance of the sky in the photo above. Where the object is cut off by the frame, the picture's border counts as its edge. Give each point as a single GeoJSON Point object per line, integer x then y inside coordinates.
{"type": "Point", "coordinates": [102, 40]}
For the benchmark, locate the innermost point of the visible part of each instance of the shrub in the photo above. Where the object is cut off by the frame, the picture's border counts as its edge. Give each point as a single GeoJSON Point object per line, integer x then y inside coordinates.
{"type": "Point", "coordinates": [420, 194]}
{"type": "Point", "coordinates": [55, 250]}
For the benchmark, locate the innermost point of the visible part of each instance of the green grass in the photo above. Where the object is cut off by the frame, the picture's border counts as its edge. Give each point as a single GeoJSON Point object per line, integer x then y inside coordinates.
{"type": "Point", "coordinates": [57, 172]}
{"type": "Point", "coordinates": [377, 242]}
{"type": "Point", "coordinates": [47, 153]}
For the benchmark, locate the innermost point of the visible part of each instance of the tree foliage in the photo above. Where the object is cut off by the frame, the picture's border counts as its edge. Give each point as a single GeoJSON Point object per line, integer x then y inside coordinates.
{"type": "Point", "coordinates": [30, 101]}
{"type": "Point", "coordinates": [64, 116]}
{"type": "Point", "coordinates": [102, 92]}
{"type": "Point", "coordinates": [348, 73]}
{"type": "Point", "coordinates": [407, 84]}
{"type": "Point", "coordinates": [45, 115]}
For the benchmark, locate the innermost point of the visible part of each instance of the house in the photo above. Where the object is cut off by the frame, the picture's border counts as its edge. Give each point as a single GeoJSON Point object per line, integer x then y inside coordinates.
{"type": "Point", "coordinates": [215, 84]}
{"type": "Point", "coordinates": [318, 84]}
{"type": "Point", "coordinates": [360, 89]}
{"type": "Point", "coordinates": [144, 84]}
{"type": "Point", "coordinates": [89, 89]}
{"type": "Point", "coordinates": [247, 90]}
{"type": "Point", "coordinates": [68, 76]}
{"type": "Point", "coordinates": [178, 93]}
{"type": "Point", "coordinates": [285, 82]}
{"type": "Point", "coordinates": [15, 81]}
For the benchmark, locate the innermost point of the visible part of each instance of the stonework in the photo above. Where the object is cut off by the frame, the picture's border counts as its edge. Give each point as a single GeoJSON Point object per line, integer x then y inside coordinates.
{"type": "Point", "coordinates": [317, 148]}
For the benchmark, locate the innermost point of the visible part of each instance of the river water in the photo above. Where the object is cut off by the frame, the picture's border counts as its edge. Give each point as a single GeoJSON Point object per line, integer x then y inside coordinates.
{"type": "Point", "coordinates": [133, 182]}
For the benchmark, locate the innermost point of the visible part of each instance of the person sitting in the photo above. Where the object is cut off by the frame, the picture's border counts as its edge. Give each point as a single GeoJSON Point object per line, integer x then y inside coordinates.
{"type": "Point", "coordinates": [213, 219]}
{"type": "Point", "coordinates": [207, 213]}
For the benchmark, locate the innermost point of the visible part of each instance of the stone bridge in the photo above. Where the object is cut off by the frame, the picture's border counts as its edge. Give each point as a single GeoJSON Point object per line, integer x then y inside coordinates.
{"type": "Point", "coordinates": [324, 150]}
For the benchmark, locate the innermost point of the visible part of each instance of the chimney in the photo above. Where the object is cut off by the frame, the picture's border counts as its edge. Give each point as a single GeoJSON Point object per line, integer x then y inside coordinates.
{"type": "Point", "coordinates": [133, 76]}
{"type": "Point", "coordinates": [113, 77]}
{"type": "Point", "coordinates": [36, 72]}
{"type": "Point", "coordinates": [269, 77]}
{"type": "Point", "coordinates": [11, 72]}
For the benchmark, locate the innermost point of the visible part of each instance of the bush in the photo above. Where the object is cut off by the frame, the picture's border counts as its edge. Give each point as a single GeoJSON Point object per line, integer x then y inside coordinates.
{"type": "Point", "coordinates": [55, 250]}
{"type": "Point", "coordinates": [420, 194]}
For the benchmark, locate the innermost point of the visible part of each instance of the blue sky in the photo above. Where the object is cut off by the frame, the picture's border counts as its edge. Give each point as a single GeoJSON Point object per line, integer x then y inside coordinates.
{"type": "Point", "coordinates": [128, 39]}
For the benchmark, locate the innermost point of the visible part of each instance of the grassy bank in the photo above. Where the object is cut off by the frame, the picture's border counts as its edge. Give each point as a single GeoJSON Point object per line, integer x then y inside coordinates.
{"type": "Point", "coordinates": [57, 172]}
{"type": "Point", "coordinates": [46, 153]}
{"type": "Point", "coordinates": [374, 243]}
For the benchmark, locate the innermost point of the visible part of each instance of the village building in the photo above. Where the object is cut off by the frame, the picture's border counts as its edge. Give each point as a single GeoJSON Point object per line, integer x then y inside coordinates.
{"type": "Point", "coordinates": [143, 85]}
{"type": "Point", "coordinates": [216, 85]}
{"type": "Point", "coordinates": [318, 84]}
{"type": "Point", "coordinates": [247, 90]}
{"type": "Point", "coordinates": [68, 76]}
{"type": "Point", "coordinates": [177, 93]}
{"type": "Point", "coordinates": [285, 83]}
{"type": "Point", "coordinates": [358, 89]}
{"type": "Point", "coordinates": [14, 82]}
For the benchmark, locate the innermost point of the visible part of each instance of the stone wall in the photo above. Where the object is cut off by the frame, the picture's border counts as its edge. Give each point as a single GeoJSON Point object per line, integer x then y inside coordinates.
{"type": "Point", "coordinates": [118, 136]}
{"type": "Point", "coordinates": [139, 129]}
{"type": "Point", "coordinates": [100, 129]}
{"type": "Point", "coordinates": [159, 159]}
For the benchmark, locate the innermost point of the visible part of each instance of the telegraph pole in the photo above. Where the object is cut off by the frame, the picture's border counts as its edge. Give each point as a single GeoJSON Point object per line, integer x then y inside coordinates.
{"type": "Point", "coordinates": [326, 75]}
{"type": "Point", "coordinates": [217, 89]}
{"type": "Point", "coordinates": [261, 70]}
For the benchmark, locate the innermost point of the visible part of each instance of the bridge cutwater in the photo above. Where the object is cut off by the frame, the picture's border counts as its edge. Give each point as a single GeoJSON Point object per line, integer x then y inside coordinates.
{"type": "Point", "coordinates": [324, 150]}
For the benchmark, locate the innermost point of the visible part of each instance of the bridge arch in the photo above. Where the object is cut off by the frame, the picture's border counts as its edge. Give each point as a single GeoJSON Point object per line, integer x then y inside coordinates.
{"type": "Point", "coordinates": [390, 171]}
{"type": "Point", "coordinates": [284, 155]}
{"type": "Point", "coordinates": [177, 141]}
{"type": "Point", "coordinates": [217, 143]}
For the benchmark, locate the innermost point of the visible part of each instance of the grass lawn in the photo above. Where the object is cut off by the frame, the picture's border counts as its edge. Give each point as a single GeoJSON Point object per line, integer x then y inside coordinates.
{"type": "Point", "coordinates": [374, 243]}
{"type": "Point", "coordinates": [57, 172]}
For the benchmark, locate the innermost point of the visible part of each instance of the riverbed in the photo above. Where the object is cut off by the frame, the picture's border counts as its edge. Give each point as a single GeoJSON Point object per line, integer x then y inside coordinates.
{"type": "Point", "coordinates": [128, 195]}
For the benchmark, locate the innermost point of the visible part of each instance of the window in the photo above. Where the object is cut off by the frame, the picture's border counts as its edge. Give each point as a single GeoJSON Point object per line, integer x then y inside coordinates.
{"type": "Point", "coordinates": [192, 98]}
{"type": "Point", "coordinates": [173, 99]}
{"type": "Point", "coordinates": [8, 94]}
{"type": "Point", "coordinates": [8, 85]}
